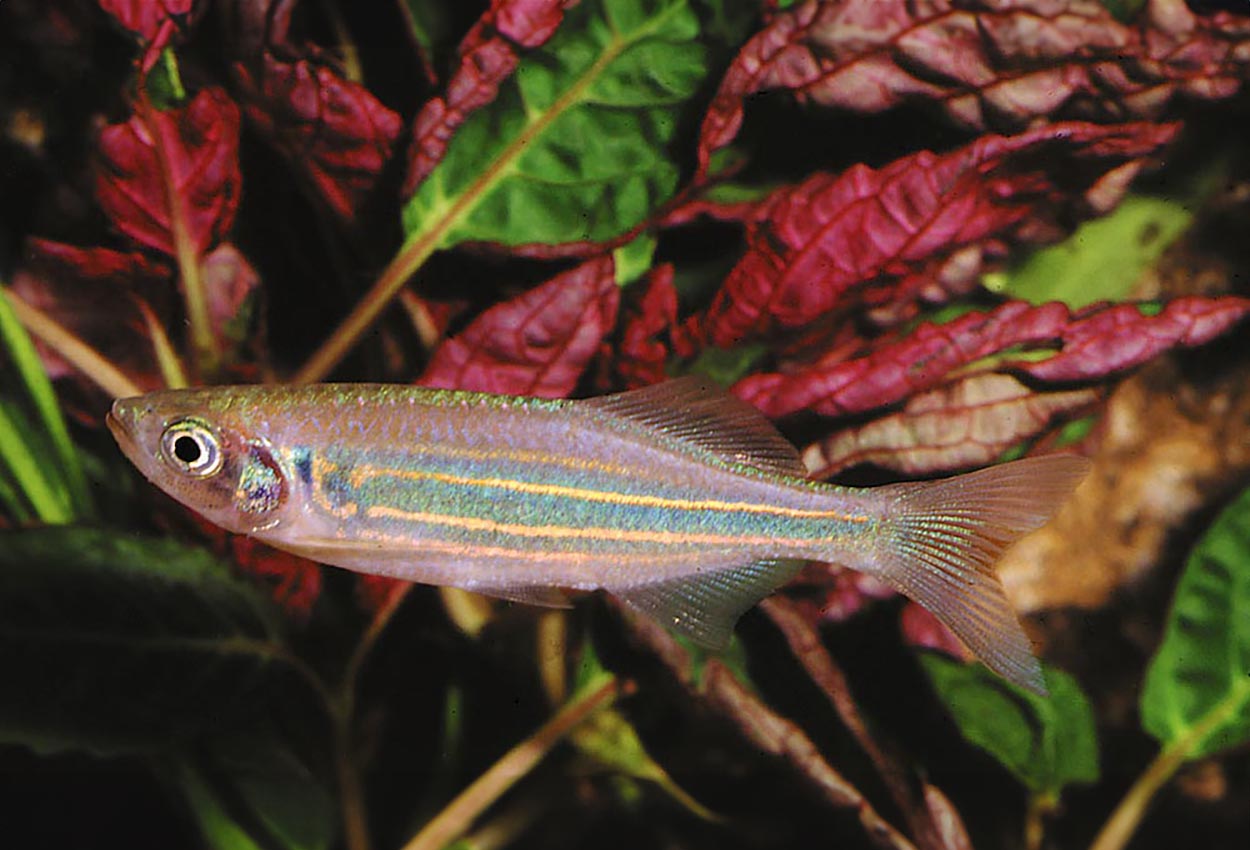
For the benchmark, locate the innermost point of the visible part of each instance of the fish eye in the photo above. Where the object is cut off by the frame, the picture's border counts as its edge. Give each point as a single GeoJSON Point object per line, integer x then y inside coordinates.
{"type": "Point", "coordinates": [191, 446]}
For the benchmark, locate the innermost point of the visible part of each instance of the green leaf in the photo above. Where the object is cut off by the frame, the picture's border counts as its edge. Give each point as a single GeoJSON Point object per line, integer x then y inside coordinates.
{"type": "Point", "coordinates": [29, 369]}
{"type": "Point", "coordinates": [27, 467]}
{"type": "Point", "coordinates": [1047, 742]}
{"type": "Point", "coordinates": [727, 23]}
{"type": "Point", "coordinates": [1102, 260]}
{"type": "Point", "coordinates": [725, 366]}
{"type": "Point", "coordinates": [608, 739]}
{"type": "Point", "coordinates": [111, 642]}
{"type": "Point", "coordinates": [250, 791]}
{"type": "Point", "coordinates": [1197, 692]}
{"type": "Point", "coordinates": [12, 502]}
{"type": "Point", "coordinates": [164, 83]}
{"type": "Point", "coordinates": [574, 146]}
{"type": "Point", "coordinates": [633, 259]}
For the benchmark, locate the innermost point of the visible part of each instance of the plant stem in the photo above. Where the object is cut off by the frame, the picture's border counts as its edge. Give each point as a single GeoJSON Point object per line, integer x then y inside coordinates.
{"type": "Point", "coordinates": [520, 760]}
{"type": "Point", "coordinates": [1120, 827]}
{"type": "Point", "coordinates": [421, 245]}
{"type": "Point", "coordinates": [468, 611]}
{"type": "Point", "coordinates": [166, 357]}
{"type": "Point", "coordinates": [351, 793]}
{"type": "Point", "coordinates": [1124, 821]}
{"type": "Point", "coordinates": [77, 353]}
{"type": "Point", "coordinates": [509, 824]}
{"type": "Point", "coordinates": [1039, 806]}
{"type": "Point", "coordinates": [411, 257]}
{"type": "Point", "coordinates": [170, 60]}
{"type": "Point", "coordinates": [551, 649]}
{"type": "Point", "coordinates": [203, 341]}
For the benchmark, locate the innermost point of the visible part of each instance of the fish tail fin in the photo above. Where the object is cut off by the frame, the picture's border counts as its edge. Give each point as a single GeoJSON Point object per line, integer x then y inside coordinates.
{"type": "Point", "coordinates": [945, 537]}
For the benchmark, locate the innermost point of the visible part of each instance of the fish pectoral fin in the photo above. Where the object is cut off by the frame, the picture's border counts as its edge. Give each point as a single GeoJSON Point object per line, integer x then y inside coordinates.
{"type": "Point", "coordinates": [538, 595]}
{"type": "Point", "coordinates": [705, 607]}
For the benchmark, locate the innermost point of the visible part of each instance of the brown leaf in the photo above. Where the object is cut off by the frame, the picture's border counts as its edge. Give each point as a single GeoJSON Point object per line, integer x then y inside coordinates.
{"type": "Point", "coordinates": [804, 641]}
{"type": "Point", "coordinates": [967, 423]}
{"type": "Point", "coordinates": [952, 833]}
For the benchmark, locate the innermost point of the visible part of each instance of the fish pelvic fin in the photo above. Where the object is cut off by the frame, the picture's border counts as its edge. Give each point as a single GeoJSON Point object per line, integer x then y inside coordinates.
{"type": "Point", "coordinates": [704, 607]}
{"type": "Point", "coordinates": [945, 537]}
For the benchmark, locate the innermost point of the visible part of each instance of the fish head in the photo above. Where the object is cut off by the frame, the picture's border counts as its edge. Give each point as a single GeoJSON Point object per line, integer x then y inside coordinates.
{"type": "Point", "coordinates": [206, 455]}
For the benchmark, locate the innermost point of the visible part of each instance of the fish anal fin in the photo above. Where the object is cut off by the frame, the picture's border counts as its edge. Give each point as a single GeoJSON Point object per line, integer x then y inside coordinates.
{"type": "Point", "coordinates": [696, 411]}
{"type": "Point", "coordinates": [704, 607]}
{"type": "Point", "coordinates": [538, 595]}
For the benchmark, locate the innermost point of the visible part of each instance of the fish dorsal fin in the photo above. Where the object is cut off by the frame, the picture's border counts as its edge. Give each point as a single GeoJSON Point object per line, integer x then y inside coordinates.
{"type": "Point", "coordinates": [696, 411]}
{"type": "Point", "coordinates": [705, 607]}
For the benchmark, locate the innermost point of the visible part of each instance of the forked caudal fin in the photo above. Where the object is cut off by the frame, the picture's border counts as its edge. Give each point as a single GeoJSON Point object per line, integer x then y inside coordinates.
{"type": "Point", "coordinates": [946, 536]}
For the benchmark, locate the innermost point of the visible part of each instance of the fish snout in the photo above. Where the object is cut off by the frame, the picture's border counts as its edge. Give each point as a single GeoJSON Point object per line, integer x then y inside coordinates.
{"type": "Point", "coordinates": [123, 419]}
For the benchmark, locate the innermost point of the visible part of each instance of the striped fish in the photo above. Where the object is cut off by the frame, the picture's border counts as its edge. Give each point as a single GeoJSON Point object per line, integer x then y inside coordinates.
{"type": "Point", "coordinates": [679, 499]}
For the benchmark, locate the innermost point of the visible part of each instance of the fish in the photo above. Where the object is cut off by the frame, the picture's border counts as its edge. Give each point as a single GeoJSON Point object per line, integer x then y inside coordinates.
{"type": "Point", "coordinates": [679, 499]}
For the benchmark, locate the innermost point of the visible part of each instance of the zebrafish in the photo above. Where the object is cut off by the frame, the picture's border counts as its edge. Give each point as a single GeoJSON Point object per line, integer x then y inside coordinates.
{"type": "Point", "coordinates": [679, 499]}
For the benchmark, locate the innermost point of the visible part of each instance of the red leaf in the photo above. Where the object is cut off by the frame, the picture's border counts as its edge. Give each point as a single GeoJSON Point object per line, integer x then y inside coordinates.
{"type": "Point", "coordinates": [648, 317]}
{"type": "Point", "coordinates": [964, 424]}
{"type": "Point", "coordinates": [102, 266]}
{"type": "Point", "coordinates": [1092, 345]}
{"type": "Point", "coordinates": [987, 63]}
{"type": "Point", "coordinates": [91, 292]}
{"type": "Point", "coordinates": [1122, 337]}
{"type": "Point", "coordinates": [170, 175]}
{"type": "Point", "coordinates": [838, 241]}
{"type": "Point", "coordinates": [489, 53]}
{"type": "Point", "coordinates": [538, 343]}
{"type": "Point", "coordinates": [900, 368]}
{"type": "Point", "coordinates": [293, 582]}
{"type": "Point", "coordinates": [334, 131]}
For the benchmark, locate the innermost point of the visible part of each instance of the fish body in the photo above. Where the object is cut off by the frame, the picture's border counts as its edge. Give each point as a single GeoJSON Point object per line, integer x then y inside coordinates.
{"type": "Point", "coordinates": [679, 499]}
